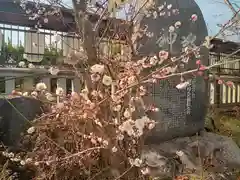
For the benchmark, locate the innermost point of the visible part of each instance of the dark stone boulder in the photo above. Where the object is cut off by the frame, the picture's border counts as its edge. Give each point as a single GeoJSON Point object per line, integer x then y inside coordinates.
{"type": "Point", "coordinates": [15, 115]}
{"type": "Point", "coordinates": [210, 155]}
{"type": "Point", "coordinates": [181, 111]}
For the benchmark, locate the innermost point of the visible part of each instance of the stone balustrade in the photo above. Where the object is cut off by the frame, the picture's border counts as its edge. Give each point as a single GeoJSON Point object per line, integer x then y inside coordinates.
{"type": "Point", "coordinates": [9, 79]}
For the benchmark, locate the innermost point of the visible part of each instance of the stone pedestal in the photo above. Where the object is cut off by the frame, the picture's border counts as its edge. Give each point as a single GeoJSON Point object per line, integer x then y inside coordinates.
{"type": "Point", "coordinates": [28, 84]}
{"type": "Point", "coordinates": [47, 81]}
{"type": "Point", "coordinates": [9, 85]}
{"type": "Point", "coordinates": [76, 86]}
{"type": "Point", "coordinates": [61, 83]}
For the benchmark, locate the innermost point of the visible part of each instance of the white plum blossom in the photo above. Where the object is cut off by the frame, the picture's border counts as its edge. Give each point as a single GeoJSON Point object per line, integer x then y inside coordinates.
{"type": "Point", "coordinates": [34, 94]}
{"type": "Point", "coordinates": [22, 163]}
{"type": "Point", "coordinates": [30, 65]}
{"type": "Point", "coordinates": [105, 143]}
{"type": "Point", "coordinates": [182, 85]}
{"type": "Point", "coordinates": [180, 153]}
{"type": "Point", "coordinates": [28, 11]}
{"type": "Point", "coordinates": [127, 127]}
{"type": "Point", "coordinates": [143, 90]}
{"type": "Point", "coordinates": [93, 141]}
{"type": "Point", "coordinates": [41, 86]}
{"type": "Point", "coordinates": [31, 130]}
{"type": "Point", "coordinates": [171, 29]}
{"type": "Point", "coordinates": [10, 155]}
{"type": "Point", "coordinates": [25, 56]}
{"type": "Point", "coordinates": [145, 171]}
{"type": "Point", "coordinates": [120, 137]}
{"type": "Point", "coordinates": [155, 14]}
{"type": "Point", "coordinates": [49, 97]}
{"type": "Point", "coordinates": [140, 124]}
{"type": "Point", "coordinates": [28, 160]}
{"type": "Point", "coordinates": [132, 79]}
{"type": "Point", "coordinates": [169, 6]}
{"type": "Point", "coordinates": [114, 149]}
{"type": "Point", "coordinates": [177, 24]}
{"type": "Point", "coordinates": [98, 122]}
{"type": "Point", "coordinates": [162, 13]}
{"type": "Point", "coordinates": [174, 59]}
{"type": "Point", "coordinates": [127, 113]}
{"type": "Point", "coordinates": [25, 94]}
{"type": "Point", "coordinates": [59, 91]}
{"type": "Point", "coordinates": [21, 64]}
{"type": "Point", "coordinates": [153, 61]}
{"type": "Point", "coordinates": [99, 139]}
{"type": "Point", "coordinates": [97, 68]}
{"type": "Point", "coordinates": [160, 8]}
{"type": "Point", "coordinates": [135, 128]}
{"type": "Point", "coordinates": [107, 80]}
{"type": "Point", "coordinates": [36, 163]}
{"type": "Point", "coordinates": [15, 159]}
{"type": "Point", "coordinates": [53, 70]}
{"type": "Point", "coordinates": [148, 15]}
{"type": "Point", "coordinates": [135, 162]}
{"type": "Point", "coordinates": [151, 125]}
{"type": "Point", "coordinates": [117, 108]}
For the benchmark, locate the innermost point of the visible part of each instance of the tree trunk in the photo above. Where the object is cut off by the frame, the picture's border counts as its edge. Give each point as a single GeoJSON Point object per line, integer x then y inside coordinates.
{"type": "Point", "coordinates": [85, 29]}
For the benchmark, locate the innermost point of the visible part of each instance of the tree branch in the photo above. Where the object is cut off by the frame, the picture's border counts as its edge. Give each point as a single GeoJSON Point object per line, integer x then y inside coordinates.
{"type": "Point", "coordinates": [85, 29]}
{"type": "Point", "coordinates": [229, 4]}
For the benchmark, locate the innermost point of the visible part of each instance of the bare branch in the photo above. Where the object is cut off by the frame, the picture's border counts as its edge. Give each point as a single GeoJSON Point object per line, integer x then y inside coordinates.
{"type": "Point", "coordinates": [229, 4]}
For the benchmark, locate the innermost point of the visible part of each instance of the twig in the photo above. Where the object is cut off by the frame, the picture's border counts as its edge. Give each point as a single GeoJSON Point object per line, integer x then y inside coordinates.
{"type": "Point", "coordinates": [27, 120]}
{"type": "Point", "coordinates": [173, 75]}
{"type": "Point", "coordinates": [229, 4]}
{"type": "Point", "coordinates": [225, 25]}
{"type": "Point", "coordinates": [73, 155]}
{"type": "Point", "coordinates": [99, 20]}
{"type": "Point", "coordinates": [124, 173]}
{"type": "Point", "coordinates": [144, 4]}
{"type": "Point", "coordinates": [97, 174]}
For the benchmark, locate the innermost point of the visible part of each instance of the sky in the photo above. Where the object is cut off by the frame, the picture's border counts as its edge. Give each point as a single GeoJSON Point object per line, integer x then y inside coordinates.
{"type": "Point", "coordinates": [215, 12]}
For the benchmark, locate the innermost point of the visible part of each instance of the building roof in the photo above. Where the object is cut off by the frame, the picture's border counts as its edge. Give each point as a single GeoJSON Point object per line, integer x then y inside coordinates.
{"type": "Point", "coordinates": [227, 47]}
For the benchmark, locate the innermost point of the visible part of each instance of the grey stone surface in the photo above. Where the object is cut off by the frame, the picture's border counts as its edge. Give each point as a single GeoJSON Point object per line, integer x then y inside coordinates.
{"type": "Point", "coordinates": [181, 111]}
{"type": "Point", "coordinates": [189, 33]}
{"type": "Point", "coordinates": [181, 155]}
{"type": "Point", "coordinates": [15, 120]}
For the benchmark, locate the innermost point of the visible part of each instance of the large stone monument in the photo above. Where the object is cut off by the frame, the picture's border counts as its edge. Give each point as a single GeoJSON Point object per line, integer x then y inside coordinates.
{"type": "Point", "coordinates": [173, 26]}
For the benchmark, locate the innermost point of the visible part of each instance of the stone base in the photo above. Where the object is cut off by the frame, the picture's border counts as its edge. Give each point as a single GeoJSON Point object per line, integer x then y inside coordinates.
{"type": "Point", "coordinates": [219, 155]}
